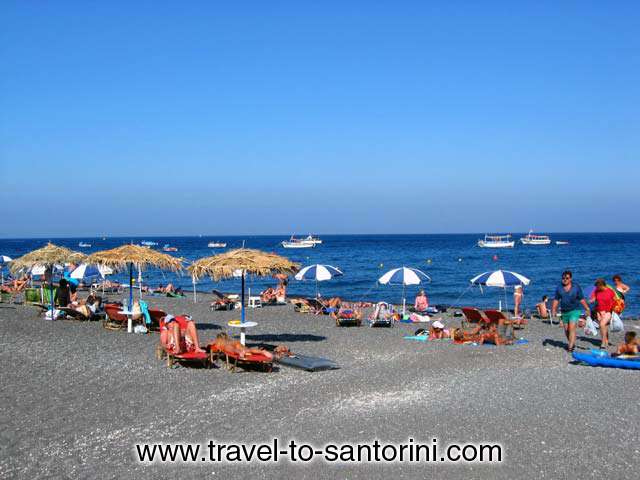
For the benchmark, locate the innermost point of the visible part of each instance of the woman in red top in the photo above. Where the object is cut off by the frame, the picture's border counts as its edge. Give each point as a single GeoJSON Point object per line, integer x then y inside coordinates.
{"type": "Point", "coordinates": [605, 300]}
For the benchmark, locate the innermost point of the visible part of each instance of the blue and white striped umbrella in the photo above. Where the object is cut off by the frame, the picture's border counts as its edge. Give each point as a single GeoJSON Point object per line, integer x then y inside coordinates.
{"type": "Point", "coordinates": [319, 273]}
{"type": "Point", "coordinates": [84, 271]}
{"type": "Point", "coordinates": [404, 276]}
{"type": "Point", "coordinates": [500, 278]}
{"type": "Point", "coordinates": [4, 259]}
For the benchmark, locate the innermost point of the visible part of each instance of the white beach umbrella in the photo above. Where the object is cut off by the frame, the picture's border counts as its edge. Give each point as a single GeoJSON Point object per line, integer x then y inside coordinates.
{"type": "Point", "coordinates": [319, 273]}
{"type": "Point", "coordinates": [3, 261]}
{"type": "Point", "coordinates": [404, 276]}
{"type": "Point", "coordinates": [84, 271]}
{"type": "Point", "coordinates": [501, 279]}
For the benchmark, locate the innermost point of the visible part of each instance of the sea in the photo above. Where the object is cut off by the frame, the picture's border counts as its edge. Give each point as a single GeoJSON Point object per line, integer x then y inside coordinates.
{"type": "Point", "coordinates": [450, 260]}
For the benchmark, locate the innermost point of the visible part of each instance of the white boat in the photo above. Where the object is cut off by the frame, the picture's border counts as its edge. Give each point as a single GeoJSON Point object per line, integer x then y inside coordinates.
{"type": "Point", "coordinates": [84, 245]}
{"type": "Point", "coordinates": [496, 241]}
{"type": "Point", "coordinates": [561, 242]}
{"type": "Point", "coordinates": [148, 243]}
{"type": "Point", "coordinates": [216, 245]}
{"type": "Point", "coordinates": [312, 239]}
{"type": "Point", "coordinates": [532, 239]}
{"type": "Point", "coordinates": [169, 248]}
{"type": "Point", "coordinates": [298, 243]}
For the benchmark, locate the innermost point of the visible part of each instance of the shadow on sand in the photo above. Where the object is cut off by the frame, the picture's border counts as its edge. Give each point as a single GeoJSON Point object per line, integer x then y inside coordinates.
{"type": "Point", "coordinates": [286, 337]}
{"type": "Point", "coordinates": [208, 326]}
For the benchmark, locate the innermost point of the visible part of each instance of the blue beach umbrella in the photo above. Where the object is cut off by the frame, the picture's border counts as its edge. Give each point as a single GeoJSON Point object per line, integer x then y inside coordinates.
{"type": "Point", "coordinates": [4, 260]}
{"type": "Point", "coordinates": [500, 278]}
{"type": "Point", "coordinates": [85, 272]}
{"type": "Point", "coordinates": [319, 273]}
{"type": "Point", "coordinates": [404, 276]}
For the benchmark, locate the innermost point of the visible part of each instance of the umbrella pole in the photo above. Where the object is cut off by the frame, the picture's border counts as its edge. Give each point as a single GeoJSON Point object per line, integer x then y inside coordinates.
{"type": "Point", "coordinates": [51, 292]}
{"type": "Point", "coordinates": [242, 311]}
{"type": "Point", "coordinates": [130, 285]}
{"type": "Point", "coordinates": [404, 299]}
{"type": "Point", "coordinates": [195, 299]}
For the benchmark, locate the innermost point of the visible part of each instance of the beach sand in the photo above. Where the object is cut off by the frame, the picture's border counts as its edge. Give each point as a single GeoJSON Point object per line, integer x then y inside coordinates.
{"type": "Point", "coordinates": [76, 398]}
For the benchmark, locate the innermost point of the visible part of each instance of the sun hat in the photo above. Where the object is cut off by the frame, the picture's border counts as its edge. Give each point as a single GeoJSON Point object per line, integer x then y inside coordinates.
{"type": "Point", "coordinates": [438, 324]}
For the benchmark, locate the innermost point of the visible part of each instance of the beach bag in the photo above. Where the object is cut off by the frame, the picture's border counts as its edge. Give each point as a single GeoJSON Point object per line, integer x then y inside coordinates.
{"type": "Point", "coordinates": [56, 314]}
{"type": "Point", "coordinates": [616, 323]}
{"type": "Point", "coordinates": [618, 305]}
{"type": "Point", "coordinates": [590, 327]}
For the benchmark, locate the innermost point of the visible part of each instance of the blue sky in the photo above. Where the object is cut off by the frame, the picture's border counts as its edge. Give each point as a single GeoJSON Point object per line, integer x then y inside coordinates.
{"type": "Point", "coordinates": [127, 118]}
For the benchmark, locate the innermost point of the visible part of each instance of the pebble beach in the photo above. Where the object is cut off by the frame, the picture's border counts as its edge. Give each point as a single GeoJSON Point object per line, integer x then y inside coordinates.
{"type": "Point", "coordinates": [77, 397]}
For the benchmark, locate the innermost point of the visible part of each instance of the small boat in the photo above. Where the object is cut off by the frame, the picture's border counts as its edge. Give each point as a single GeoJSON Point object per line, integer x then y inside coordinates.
{"type": "Point", "coordinates": [532, 239]}
{"type": "Point", "coordinates": [496, 241]}
{"type": "Point", "coordinates": [84, 245]}
{"type": "Point", "coordinates": [148, 243]}
{"type": "Point", "coordinates": [216, 245]}
{"type": "Point", "coordinates": [312, 239]}
{"type": "Point", "coordinates": [298, 243]}
{"type": "Point", "coordinates": [168, 248]}
{"type": "Point", "coordinates": [561, 242]}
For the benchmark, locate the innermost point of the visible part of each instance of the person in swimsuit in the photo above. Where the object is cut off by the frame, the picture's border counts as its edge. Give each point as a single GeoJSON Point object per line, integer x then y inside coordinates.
{"type": "Point", "coordinates": [569, 298]}
{"type": "Point", "coordinates": [517, 300]}
{"type": "Point", "coordinates": [629, 346]}
{"type": "Point", "coordinates": [438, 332]}
{"type": "Point", "coordinates": [178, 334]}
{"type": "Point", "coordinates": [621, 287]}
{"type": "Point", "coordinates": [542, 308]}
{"type": "Point", "coordinates": [422, 302]}
{"type": "Point", "coordinates": [224, 343]}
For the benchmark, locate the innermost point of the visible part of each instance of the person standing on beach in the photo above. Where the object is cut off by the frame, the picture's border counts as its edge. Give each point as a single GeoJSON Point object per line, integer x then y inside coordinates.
{"type": "Point", "coordinates": [605, 300]}
{"type": "Point", "coordinates": [570, 297]}
{"type": "Point", "coordinates": [517, 300]}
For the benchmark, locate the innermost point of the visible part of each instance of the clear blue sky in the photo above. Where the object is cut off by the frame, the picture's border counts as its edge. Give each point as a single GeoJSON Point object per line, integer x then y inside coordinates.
{"type": "Point", "coordinates": [127, 118]}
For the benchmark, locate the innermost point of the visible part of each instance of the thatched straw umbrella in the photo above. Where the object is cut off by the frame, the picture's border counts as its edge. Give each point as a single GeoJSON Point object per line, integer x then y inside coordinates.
{"type": "Point", "coordinates": [245, 260]}
{"type": "Point", "coordinates": [128, 256]}
{"type": "Point", "coordinates": [47, 256]}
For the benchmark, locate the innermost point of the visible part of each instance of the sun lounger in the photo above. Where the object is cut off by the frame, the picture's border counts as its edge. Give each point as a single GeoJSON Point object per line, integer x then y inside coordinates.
{"type": "Point", "coordinates": [347, 318]}
{"type": "Point", "coordinates": [375, 319]}
{"type": "Point", "coordinates": [472, 315]}
{"type": "Point", "coordinates": [253, 359]}
{"type": "Point", "coordinates": [504, 324]}
{"type": "Point", "coordinates": [221, 301]}
{"type": "Point", "coordinates": [206, 359]}
{"type": "Point", "coordinates": [78, 315]}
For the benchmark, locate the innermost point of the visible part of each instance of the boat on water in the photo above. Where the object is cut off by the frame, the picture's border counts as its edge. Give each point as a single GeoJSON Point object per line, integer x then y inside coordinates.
{"type": "Point", "coordinates": [84, 245]}
{"type": "Point", "coordinates": [168, 248]}
{"type": "Point", "coordinates": [562, 242]}
{"type": "Point", "coordinates": [148, 243]}
{"type": "Point", "coordinates": [497, 241]}
{"type": "Point", "coordinates": [298, 243]}
{"type": "Point", "coordinates": [216, 245]}
{"type": "Point", "coordinates": [312, 239]}
{"type": "Point", "coordinates": [533, 239]}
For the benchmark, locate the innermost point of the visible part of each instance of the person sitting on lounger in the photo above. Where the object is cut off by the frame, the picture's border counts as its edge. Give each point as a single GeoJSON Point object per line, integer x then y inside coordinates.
{"type": "Point", "coordinates": [62, 297]}
{"type": "Point", "coordinates": [224, 343]}
{"type": "Point", "coordinates": [346, 312]}
{"type": "Point", "coordinates": [629, 346]}
{"type": "Point", "coordinates": [268, 295]}
{"type": "Point", "coordinates": [543, 308]}
{"type": "Point", "coordinates": [485, 332]}
{"type": "Point", "coordinates": [281, 292]}
{"type": "Point", "coordinates": [334, 302]}
{"type": "Point", "coordinates": [422, 302]}
{"type": "Point", "coordinates": [179, 334]}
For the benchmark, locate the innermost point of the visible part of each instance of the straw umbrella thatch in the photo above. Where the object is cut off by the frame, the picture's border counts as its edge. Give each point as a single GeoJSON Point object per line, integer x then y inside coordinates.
{"type": "Point", "coordinates": [128, 256]}
{"type": "Point", "coordinates": [48, 256]}
{"type": "Point", "coordinates": [246, 260]}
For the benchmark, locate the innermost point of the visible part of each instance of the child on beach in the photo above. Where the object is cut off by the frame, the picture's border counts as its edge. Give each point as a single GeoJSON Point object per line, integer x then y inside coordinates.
{"type": "Point", "coordinates": [629, 346]}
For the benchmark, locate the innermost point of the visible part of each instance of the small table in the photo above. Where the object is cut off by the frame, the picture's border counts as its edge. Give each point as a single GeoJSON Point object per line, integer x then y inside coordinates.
{"type": "Point", "coordinates": [255, 302]}
{"type": "Point", "coordinates": [242, 326]}
{"type": "Point", "coordinates": [129, 315]}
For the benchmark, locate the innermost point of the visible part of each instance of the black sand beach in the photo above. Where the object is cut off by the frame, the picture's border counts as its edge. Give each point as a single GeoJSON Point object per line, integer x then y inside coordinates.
{"type": "Point", "coordinates": [76, 398]}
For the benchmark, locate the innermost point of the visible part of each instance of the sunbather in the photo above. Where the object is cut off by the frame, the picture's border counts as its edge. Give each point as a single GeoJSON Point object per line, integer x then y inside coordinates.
{"type": "Point", "coordinates": [224, 343]}
{"type": "Point", "coordinates": [629, 346]}
{"type": "Point", "coordinates": [179, 334]}
{"type": "Point", "coordinates": [485, 332]}
{"type": "Point", "coordinates": [16, 286]}
{"type": "Point", "coordinates": [347, 312]}
{"type": "Point", "coordinates": [268, 295]}
{"type": "Point", "coordinates": [422, 302]}
{"type": "Point", "coordinates": [438, 332]}
{"type": "Point", "coordinates": [542, 307]}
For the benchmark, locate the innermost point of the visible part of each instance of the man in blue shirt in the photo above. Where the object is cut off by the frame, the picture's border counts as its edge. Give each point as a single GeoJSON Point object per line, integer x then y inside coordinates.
{"type": "Point", "coordinates": [570, 298]}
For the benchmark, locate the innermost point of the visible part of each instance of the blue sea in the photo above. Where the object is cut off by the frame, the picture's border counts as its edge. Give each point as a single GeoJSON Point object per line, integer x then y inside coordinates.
{"type": "Point", "coordinates": [450, 260]}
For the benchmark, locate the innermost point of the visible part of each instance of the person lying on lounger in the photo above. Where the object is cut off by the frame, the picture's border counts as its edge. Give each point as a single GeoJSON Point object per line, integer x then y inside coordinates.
{"type": "Point", "coordinates": [16, 286]}
{"type": "Point", "coordinates": [224, 343]}
{"type": "Point", "coordinates": [268, 295]}
{"type": "Point", "coordinates": [346, 311]}
{"type": "Point", "coordinates": [437, 331]}
{"type": "Point", "coordinates": [179, 334]}
{"type": "Point", "coordinates": [168, 289]}
{"type": "Point", "coordinates": [629, 346]}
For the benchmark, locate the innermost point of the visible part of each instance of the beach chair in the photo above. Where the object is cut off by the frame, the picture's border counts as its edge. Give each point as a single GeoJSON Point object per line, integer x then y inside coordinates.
{"type": "Point", "coordinates": [221, 301]}
{"type": "Point", "coordinates": [375, 319]}
{"type": "Point", "coordinates": [10, 294]}
{"type": "Point", "coordinates": [114, 320]}
{"type": "Point", "coordinates": [233, 359]}
{"type": "Point", "coordinates": [83, 316]}
{"type": "Point", "coordinates": [205, 359]}
{"type": "Point", "coordinates": [471, 315]}
{"type": "Point", "coordinates": [347, 318]}
{"type": "Point", "coordinates": [505, 325]}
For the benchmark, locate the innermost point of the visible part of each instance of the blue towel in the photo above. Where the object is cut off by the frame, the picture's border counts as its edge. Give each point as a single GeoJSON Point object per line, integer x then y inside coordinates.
{"type": "Point", "coordinates": [419, 338]}
{"type": "Point", "coordinates": [145, 312]}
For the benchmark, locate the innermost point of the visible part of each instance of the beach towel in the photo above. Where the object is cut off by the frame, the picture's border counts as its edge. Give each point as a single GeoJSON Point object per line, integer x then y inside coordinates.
{"type": "Point", "coordinates": [145, 311]}
{"type": "Point", "coordinates": [418, 338]}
